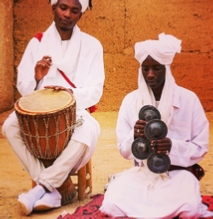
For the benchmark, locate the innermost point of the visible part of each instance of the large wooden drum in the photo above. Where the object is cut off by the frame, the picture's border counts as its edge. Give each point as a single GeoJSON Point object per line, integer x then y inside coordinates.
{"type": "Point", "coordinates": [47, 119]}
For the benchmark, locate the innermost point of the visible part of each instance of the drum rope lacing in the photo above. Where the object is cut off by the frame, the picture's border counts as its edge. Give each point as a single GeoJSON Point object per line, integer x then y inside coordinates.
{"type": "Point", "coordinates": [35, 149]}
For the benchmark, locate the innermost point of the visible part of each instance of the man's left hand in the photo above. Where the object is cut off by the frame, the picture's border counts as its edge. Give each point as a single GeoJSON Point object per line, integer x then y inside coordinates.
{"type": "Point", "coordinates": [58, 88]}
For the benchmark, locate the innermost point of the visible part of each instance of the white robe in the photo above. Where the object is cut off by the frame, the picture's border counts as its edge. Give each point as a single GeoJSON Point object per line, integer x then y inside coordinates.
{"type": "Point", "coordinates": [138, 192]}
{"type": "Point", "coordinates": [81, 59]}
{"type": "Point", "coordinates": [84, 67]}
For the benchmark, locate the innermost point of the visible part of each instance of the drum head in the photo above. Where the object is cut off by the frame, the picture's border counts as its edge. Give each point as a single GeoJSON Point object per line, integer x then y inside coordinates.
{"type": "Point", "coordinates": [46, 100]}
{"type": "Point", "coordinates": [141, 148]}
{"type": "Point", "coordinates": [155, 129]}
{"type": "Point", "coordinates": [158, 163]}
{"type": "Point", "coordinates": [149, 112]}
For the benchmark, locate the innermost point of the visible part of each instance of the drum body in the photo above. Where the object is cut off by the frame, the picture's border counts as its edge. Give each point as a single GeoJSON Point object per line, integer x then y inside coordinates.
{"type": "Point", "coordinates": [46, 118]}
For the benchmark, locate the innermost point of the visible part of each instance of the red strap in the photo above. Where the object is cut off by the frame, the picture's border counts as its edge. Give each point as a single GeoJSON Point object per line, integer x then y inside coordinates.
{"type": "Point", "coordinates": [66, 78]}
{"type": "Point", "coordinates": [39, 36]}
{"type": "Point", "coordinates": [92, 108]}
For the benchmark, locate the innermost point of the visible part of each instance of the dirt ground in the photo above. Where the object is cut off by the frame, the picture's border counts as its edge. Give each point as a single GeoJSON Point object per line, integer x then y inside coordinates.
{"type": "Point", "coordinates": [106, 161]}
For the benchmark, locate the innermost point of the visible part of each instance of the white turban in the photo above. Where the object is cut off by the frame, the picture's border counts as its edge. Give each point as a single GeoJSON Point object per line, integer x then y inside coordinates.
{"type": "Point", "coordinates": [84, 4]}
{"type": "Point", "coordinates": [163, 51]}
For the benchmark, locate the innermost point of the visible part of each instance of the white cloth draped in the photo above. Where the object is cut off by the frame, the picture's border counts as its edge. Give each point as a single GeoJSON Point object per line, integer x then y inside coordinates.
{"type": "Point", "coordinates": [139, 193]}
{"type": "Point", "coordinates": [145, 95]}
{"type": "Point", "coordinates": [82, 63]}
{"type": "Point", "coordinates": [134, 194]}
{"type": "Point", "coordinates": [51, 45]}
{"type": "Point", "coordinates": [163, 51]}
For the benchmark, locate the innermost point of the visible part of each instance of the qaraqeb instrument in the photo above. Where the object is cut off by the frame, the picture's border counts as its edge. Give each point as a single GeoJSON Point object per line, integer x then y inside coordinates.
{"type": "Point", "coordinates": [154, 129]}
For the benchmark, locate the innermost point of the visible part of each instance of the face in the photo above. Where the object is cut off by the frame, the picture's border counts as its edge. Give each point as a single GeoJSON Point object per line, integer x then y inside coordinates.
{"type": "Point", "coordinates": [154, 74]}
{"type": "Point", "coordinates": [66, 14]}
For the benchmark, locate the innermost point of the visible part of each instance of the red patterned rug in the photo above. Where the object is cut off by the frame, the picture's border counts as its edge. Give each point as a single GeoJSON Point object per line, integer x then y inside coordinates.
{"type": "Point", "coordinates": [91, 210]}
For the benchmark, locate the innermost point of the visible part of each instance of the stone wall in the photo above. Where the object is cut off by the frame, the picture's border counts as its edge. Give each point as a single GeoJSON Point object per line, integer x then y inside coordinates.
{"type": "Point", "coordinates": [119, 24]}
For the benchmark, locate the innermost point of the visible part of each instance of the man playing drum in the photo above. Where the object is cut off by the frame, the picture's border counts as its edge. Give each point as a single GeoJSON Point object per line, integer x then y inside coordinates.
{"type": "Point", "coordinates": [140, 192]}
{"type": "Point", "coordinates": [61, 58]}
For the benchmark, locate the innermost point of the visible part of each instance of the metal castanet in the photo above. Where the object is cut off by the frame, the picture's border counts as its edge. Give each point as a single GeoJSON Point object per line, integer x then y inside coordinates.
{"type": "Point", "coordinates": [141, 148]}
{"type": "Point", "coordinates": [158, 163]}
{"type": "Point", "coordinates": [155, 129]}
{"type": "Point", "coordinates": [148, 113]}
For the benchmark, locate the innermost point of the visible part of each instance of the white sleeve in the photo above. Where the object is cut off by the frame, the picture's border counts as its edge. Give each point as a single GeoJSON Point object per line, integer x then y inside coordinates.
{"type": "Point", "coordinates": [91, 90]}
{"type": "Point", "coordinates": [189, 134]}
{"type": "Point", "coordinates": [26, 82]}
{"type": "Point", "coordinates": [125, 129]}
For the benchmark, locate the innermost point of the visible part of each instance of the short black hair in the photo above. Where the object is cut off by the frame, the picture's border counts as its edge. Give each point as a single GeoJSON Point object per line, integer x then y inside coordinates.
{"type": "Point", "coordinates": [90, 4]}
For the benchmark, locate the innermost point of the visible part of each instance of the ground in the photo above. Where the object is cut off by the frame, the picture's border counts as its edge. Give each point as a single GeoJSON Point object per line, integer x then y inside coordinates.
{"type": "Point", "coordinates": [106, 161]}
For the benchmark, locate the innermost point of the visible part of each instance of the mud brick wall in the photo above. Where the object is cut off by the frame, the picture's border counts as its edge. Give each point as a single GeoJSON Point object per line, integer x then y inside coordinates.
{"type": "Point", "coordinates": [119, 24]}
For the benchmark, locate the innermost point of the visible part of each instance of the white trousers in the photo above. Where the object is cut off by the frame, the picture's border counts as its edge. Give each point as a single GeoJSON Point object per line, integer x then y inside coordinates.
{"type": "Point", "coordinates": [138, 194]}
{"type": "Point", "coordinates": [71, 159]}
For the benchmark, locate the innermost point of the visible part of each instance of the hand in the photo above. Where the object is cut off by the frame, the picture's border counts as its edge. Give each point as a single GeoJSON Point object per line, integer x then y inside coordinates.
{"type": "Point", "coordinates": [42, 67]}
{"type": "Point", "coordinates": [58, 88]}
{"type": "Point", "coordinates": [139, 128]}
{"type": "Point", "coordinates": [162, 146]}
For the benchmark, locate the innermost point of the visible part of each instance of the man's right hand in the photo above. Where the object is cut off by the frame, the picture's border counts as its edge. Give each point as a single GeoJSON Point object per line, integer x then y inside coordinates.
{"type": "Point", "coordinates": [42, 67]}
{"type": "Point", "coordinates": [139, 128]}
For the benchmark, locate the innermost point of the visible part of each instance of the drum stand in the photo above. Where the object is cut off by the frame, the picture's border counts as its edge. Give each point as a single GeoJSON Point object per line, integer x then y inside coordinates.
{"type": "Point", "coordinates": [84, 180]}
